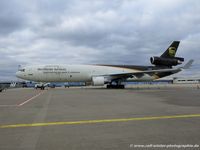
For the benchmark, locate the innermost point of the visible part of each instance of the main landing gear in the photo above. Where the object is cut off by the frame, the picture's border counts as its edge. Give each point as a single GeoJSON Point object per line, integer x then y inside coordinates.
{"type": "Point", "coordinates": [42, 88]}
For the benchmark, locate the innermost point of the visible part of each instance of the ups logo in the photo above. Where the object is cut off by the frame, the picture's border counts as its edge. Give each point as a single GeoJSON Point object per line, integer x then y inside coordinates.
{"type": "Point", "coordinates": [172, 51]}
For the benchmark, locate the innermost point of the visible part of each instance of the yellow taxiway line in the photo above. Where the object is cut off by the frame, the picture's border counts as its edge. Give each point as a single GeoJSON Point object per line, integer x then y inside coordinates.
{"type": "Point", "coordinates": [99, 121]}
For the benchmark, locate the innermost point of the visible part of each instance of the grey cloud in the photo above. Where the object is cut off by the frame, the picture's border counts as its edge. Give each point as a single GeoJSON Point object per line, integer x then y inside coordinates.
{"type": "Point", "coordinates": [8, 67]}
{"type": "Point", "coordinates": [11, 16]}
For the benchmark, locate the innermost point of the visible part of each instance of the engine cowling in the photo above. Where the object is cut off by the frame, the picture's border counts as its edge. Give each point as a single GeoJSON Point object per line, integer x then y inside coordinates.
{"type": "Point", "coordinates": [98, 81]}
{"type": "Point", "coordinates": [159, 61]}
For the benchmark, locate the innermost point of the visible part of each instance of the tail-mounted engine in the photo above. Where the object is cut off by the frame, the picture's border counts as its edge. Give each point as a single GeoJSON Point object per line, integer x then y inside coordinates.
{"type": "Point", "coordinates": [160, 61]}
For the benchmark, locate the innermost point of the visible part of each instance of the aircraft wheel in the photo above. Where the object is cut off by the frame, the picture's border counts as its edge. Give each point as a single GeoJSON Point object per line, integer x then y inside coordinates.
{"type": "Point", "coordinates": [121, 86]}
{"type": "Point", "coordinates": [108, 86]}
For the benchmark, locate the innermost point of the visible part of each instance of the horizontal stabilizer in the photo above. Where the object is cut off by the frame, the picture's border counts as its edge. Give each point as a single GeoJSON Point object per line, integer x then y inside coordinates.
{"type": "Point", "coordinates": [188, 64]}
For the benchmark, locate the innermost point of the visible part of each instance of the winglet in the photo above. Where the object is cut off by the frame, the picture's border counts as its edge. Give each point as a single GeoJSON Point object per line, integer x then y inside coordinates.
{"type": "Point", "coordinates": [188, 64]}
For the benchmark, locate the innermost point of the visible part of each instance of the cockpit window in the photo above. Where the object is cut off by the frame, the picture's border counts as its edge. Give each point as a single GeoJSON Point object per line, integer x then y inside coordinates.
{"type": "Point", "coordinates": [21, 69]}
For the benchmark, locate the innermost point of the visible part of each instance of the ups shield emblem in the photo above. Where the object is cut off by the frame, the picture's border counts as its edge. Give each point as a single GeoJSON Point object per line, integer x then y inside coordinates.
{"type": "Point", "coordinates": [172, 51]}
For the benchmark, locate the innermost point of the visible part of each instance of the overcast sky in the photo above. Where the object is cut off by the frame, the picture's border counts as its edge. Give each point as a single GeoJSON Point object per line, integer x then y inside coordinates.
{"type": "Point", "coordinates": [96, 31]}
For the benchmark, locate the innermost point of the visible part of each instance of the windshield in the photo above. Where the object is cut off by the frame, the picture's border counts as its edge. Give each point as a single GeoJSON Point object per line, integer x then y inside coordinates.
{"type": "Point", "coordinates": [21, 69]}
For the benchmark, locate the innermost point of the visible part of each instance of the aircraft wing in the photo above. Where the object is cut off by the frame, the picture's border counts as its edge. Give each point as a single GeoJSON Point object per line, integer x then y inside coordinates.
{"type": "Point", "coordinates": [8, 84]}
{"type": "Point", "coordinates": [151, 72]}
{"type": "Point", "coordinates": [4, 85]}
{"type": "Point", "coordinates": [126, 75]}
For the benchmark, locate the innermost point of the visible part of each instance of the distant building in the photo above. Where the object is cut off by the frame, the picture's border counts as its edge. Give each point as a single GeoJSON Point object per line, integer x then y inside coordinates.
{"type": "Point", "coordinates": [164, 81]}
{"type": "Point", "coordinates": [186, 80]}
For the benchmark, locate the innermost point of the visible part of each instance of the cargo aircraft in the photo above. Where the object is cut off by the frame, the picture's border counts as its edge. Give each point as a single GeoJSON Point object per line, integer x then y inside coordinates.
{"type": "Point", "coordinates": [114, 76]}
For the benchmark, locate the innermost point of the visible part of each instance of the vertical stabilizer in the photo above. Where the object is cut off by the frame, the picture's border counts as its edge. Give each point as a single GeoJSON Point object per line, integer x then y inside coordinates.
{"type": "Point", "coordinates": [171, 50]}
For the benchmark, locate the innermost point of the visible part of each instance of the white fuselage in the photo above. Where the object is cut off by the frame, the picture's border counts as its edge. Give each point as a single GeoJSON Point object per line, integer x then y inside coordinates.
{"type": "Point", "coordinates": [71, 73]}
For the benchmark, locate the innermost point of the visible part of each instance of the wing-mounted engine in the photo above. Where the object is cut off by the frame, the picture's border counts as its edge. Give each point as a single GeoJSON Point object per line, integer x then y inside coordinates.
{"type": "Point", "coordinates": [160, 61]}
{"type": "Point", "coordinates": [98, 81]}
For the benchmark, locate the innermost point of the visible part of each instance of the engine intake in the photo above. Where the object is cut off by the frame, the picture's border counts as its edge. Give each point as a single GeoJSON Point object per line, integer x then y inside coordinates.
{"type": "Point", "coordinates": [159, 61]}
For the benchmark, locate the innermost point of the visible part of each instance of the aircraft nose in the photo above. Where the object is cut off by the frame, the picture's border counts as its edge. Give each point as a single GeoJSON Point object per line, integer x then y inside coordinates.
{"type": "Point", "coordinates": [18, 74]}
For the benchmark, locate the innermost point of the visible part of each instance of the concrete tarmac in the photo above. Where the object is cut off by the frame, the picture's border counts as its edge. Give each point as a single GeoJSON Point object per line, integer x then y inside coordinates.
{"type": "Point", "coordinates": [97, 118]}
